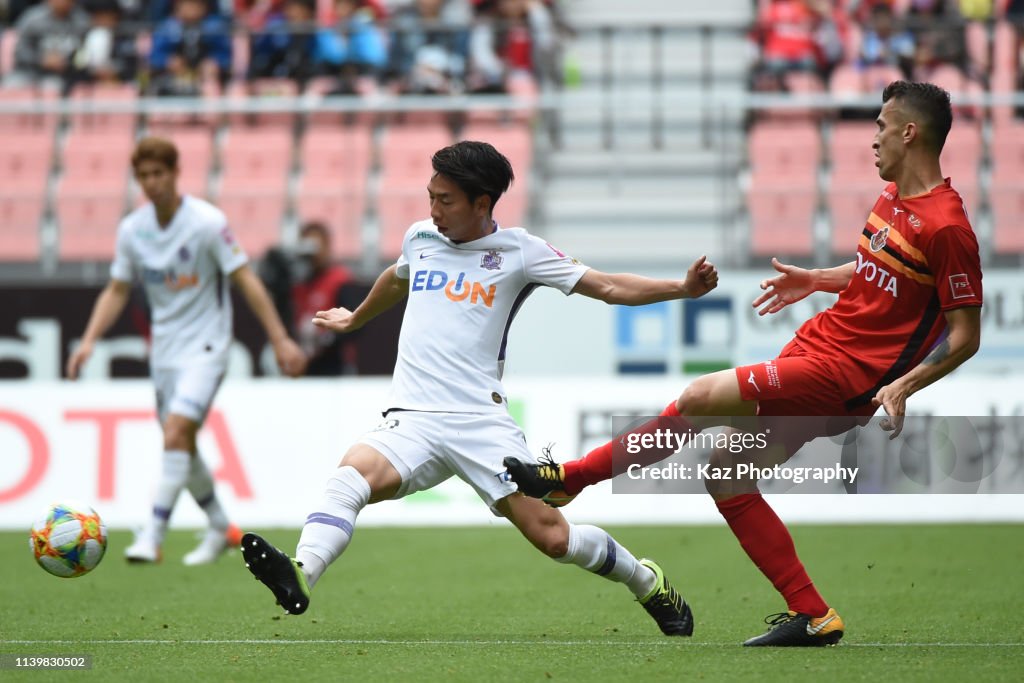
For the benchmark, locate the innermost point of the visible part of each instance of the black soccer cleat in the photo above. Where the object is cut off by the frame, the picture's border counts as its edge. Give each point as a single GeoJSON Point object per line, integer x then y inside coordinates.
{"type": "Point", "coordinates": [666, 606]}
{"type": "Point", "coordinates": [278, 572]}
{"type": "Point", "coordinates": [790, 629]}
{"type": "Point", "coordinates": [544, 479]}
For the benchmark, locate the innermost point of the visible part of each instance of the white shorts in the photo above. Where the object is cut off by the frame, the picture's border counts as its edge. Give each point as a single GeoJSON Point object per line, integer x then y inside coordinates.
{"type": "Point", "coordinates": [187, 391]}
{"type": "Point", "coordinates": [428, 448]}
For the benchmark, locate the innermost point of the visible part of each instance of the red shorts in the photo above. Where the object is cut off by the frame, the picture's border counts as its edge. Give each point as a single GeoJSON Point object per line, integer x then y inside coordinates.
{"type": "Point", "coordinates": [798, 383]}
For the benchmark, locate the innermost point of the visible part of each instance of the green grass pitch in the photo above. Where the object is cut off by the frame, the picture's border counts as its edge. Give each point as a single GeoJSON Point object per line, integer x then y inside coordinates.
{"type": "Point", "coordinates": [921, 603]}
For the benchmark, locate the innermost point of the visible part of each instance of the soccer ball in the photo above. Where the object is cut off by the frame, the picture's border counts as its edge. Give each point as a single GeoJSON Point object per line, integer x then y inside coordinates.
{"type": "Point", "coordinates": [69, 540]}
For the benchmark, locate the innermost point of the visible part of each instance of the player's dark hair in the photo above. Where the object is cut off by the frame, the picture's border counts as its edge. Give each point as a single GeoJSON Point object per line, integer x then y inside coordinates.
{"type": "Point", "coordinates": [927, 105]}
{"type": "Point", "coordinates": [476, 168]}
{"type": "Point", "coordinates": [155, 149]}
{"type": "Point", "coordinates": [318, 228]}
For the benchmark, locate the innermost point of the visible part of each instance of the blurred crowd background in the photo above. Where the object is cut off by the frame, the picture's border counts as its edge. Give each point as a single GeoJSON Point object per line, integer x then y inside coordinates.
{"type": "Point", "coordinates": [642, 133]}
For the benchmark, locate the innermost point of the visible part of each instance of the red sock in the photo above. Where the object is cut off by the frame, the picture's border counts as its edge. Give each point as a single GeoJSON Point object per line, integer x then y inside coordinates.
{"type": "Point", "coordinates": [597, 465]}
{"type": "Point", "coordinates": [767, 542]}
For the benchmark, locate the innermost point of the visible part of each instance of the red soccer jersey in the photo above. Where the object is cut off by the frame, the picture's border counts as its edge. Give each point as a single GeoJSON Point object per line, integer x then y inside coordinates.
{"type": "Point", "coordinates": [917, 258]}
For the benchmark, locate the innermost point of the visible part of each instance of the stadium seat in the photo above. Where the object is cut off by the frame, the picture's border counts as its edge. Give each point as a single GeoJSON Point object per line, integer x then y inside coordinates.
{"type": "Point", "coordinates": [21, 213]}
{"type": "Point", "coordinates": [851, 152]}
{"type": "Point", "coordinates": [99, 159]}
{"type": "Point", "coordinates": [961, 154]}
{"type": "Point", "coordinates": [332, 156]}
{"type": "Point", "coordinates": [782, 220]}
{"type": "Point", "coordinates": [85, 95]}
{"type": "Point", "coordinates": [8, 41]}
{"type": "Point", "coordinates": [1007, 201]}
{"type": "Point", "coordinates": [515, 141]}
{"type": "Point", "coordinates": [342, 212]}
{"type": "Point", "coordinates": [263, 90]}
{"type": "Point", "coordinates": [847, 80]}
{"type": "Point", "coordinates": [878, 76]}
{"type": "Point", "coordinates": [397, 209]}
{"type": "Point", "coordinates": [255, 217]}
{"type": "Point", "coordinates": [25, 166]}
{"type": "Point", "coordinates": [976, 41]}
{"type": "Point", "coordinates": [1004, 48]}
{"type": "Point", "coordinates": [87, 219]}
{"type": "Point", "coordinates": [849, 204]}
{"type": "Point", "coordinates": [15, 123]}
{"type": "Point", "coordinates": [256, 158]}
{"type": "Point", "coordinates": [787, 150]}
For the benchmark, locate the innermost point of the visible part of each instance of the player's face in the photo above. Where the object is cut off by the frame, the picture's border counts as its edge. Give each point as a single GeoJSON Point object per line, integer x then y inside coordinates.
{"type": "Point", "coordinates": [888, 143]}
{"type": "Point", "coordinates": [158, 182]}
{"type": "Point", "coordinates": [455, 216]}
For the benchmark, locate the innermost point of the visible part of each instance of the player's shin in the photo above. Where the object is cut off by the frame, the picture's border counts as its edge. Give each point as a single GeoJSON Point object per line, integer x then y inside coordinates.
{"type": "Point", "coordinates": [610, 459]}
{"type": "Point", "coordinates": [596, 551]}
{"type": "Point", "coordinates": [200, 485]}
{"type": "Point", "coordinates": [328, 529]}
{"type": "Point", "coordinates": [173, 477]}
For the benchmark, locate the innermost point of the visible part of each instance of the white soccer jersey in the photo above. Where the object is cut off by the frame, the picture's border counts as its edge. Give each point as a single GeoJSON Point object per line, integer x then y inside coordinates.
{"type": "Point", "coordinates": [183, 268]}
{"type": "Point", "coordinates": [462, 299]}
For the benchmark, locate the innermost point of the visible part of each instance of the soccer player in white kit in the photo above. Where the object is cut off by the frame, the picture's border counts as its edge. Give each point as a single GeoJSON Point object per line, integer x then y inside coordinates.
{"type": "Point", "coordinates": [465, 279]}
{"type": "Point", "coordinates": [181, 248]}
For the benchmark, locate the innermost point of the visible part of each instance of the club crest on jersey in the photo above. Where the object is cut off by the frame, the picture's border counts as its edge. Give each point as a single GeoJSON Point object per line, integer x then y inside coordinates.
{"type": "Point", "coordinates": [914, 221]}
{"type": "Point", "coordinates": [879, 239]}
{"type": "Point", "coordinates": [492, 260]}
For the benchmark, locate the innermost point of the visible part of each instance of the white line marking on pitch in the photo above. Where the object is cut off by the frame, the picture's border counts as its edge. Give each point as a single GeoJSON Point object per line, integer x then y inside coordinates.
{"type": "Point", "coordinates": [487, 643]}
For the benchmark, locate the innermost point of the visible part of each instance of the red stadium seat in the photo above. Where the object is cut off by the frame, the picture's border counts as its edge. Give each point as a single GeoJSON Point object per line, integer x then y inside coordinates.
{"type": "Point", "coordinates": [878, 76]}
{"type": "Point", "coordinates": [24, 166]}
{"type": "Point", "coordinates": [342, 212]}
{"type": "Point", "coordinates": [961, 154]}
{"type": "Point", "coordinates": [514, 140]}
{"type": "Point", "coordinates": [782, 220]}
{"type": "Point", "coordinates": [849, 204]}
{"type": "Point", "coordinates": [396, 211]}
{"type": "Point", "coordinates": [784, 151]}
{"type": "Point", "coordinates": [255, 217]}
{"type": "Point", "coordinates": [847, 80]}
{"type": "Point", "coordinates": [92, 121]}
{"type": "Point", "coordinates": [264, 90]}
{"type": "Point", "coordinates": [1007, 201]}
{"type": "Point", "coordinates": [976, 40]}
{"type": "Point", "coordinates": [13, 124]}
{"type": "Point", "coordinates": [195, 155]}
{"type": "Point", "coordinates": [99, 159]}
{"type": "Point", "coordinates": [334, 157]}
{"type": "Point", "coordinates": [20, 215]}
{"type": "Point", "coordinates": [88, 218]}
{"type": "Point", "coordinates": [257, 158]}
{"type": "Point", "coordinates": [851, 153]}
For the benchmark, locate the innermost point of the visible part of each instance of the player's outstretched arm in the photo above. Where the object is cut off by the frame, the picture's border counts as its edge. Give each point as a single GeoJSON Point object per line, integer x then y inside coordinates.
{"type": "Point", "coordinates": [387, 291]}
{"type": "Point", "coordinates": [962, 341]}
{"type": "Point", "coordinates": [105, 311]}
{"type": "Point", "coordinates": [795, 283]}
{"type": "Point", "coordinates": [636, 290]}
{"type": "Point", "coordinates": [290, 357]}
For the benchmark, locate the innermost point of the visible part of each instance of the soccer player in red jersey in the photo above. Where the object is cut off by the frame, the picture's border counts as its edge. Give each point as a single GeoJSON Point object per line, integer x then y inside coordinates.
{"type": "Point", "coordinates": [908, 313]}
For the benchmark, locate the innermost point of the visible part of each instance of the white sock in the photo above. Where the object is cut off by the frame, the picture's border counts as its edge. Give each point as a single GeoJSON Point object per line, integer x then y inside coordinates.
{"type": "Point", "coordinates": [200, 485]}
{"type": "Point", "coordinates": [596, 551]}
{"type": "Point", "coordinates": [329, 529]}
{"type": "Point", "coordinates": [176, 465]}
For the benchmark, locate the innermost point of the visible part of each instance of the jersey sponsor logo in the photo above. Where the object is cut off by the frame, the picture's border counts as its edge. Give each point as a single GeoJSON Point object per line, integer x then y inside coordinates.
{"type": "Point", "coordinates": [960, 285]}
{"type": "Point", "coordinates": [492, 260]}
{"type": "Point", "coordinates": [424, 235]}
{"type": "Point", "coordinates": [752, 381]}
{"type": "Point", "coordinates": [174, 281]}
{"type": "Point", "coordinates": [458, 289]}
{"type": "Point", "coordinates": [879, 239]}
{"type": "Point", "coordinates": [872, 272]}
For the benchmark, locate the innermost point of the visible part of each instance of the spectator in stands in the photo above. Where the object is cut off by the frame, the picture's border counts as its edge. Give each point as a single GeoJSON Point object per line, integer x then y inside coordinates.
{"type": "Point", "coordinates": [883, 44]}
{"type": "Point", "coordinates": [107, 54]}
{"type": "Point", "coordinates": [939, 36]}
{"type": "Point", "coordinates": [1015, 15]}
{"type": "Point", "coordinates": [292, 46]}
{"type": "Point", "coordinates": [429, 47]}
{"type": "Point", "coordinates": [190, 48]}
{"type": "Point", "coordinates": [254, 14]}
{"type": "Point", "coordinates": [49, 34]}
{"type": "Point", "coordinates": [158, 10]}
{"type": "Point", "coordinates": [363, 54]}
{"type": "Point", "coordinates": [511, 38]}
{"type": "Point", "coordinates": [798, 35]}
{"type": "Point", "coordinates": [322, 286]}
